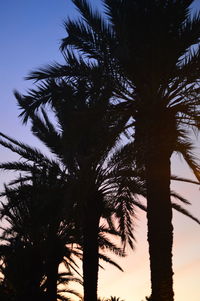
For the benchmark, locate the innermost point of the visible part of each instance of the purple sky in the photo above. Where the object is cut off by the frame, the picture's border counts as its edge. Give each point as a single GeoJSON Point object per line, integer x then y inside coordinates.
{"type": "Point", "coordinates": [30, 32]}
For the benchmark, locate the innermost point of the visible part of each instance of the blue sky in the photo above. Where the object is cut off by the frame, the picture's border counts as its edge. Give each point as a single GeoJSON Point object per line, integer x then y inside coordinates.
{"type": "Point", "coordinates": [30, 33]}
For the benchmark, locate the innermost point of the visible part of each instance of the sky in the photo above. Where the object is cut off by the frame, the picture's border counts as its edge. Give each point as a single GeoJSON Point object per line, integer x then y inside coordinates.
{"type": "Point", "coordinates": [30, 33]}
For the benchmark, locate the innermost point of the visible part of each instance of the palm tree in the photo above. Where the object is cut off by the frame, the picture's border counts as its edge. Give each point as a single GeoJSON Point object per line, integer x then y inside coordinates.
{"type": "Point", "coordinates": [88, 133]}
{"type": "Point", "coordinates": [21, 268]}
{"type": "Point", "coordinates": [24, 274]}
{"type": "Point", "coordinates": [91, 180]}
{"type": "Point", "coordinates": [150, 45]}
{"type": "Point", "coordinates": [119, 168]}
{"type": "Point", "coordinates": [28, 239]}
{"type": "Point", "coordinates": [39, 228]}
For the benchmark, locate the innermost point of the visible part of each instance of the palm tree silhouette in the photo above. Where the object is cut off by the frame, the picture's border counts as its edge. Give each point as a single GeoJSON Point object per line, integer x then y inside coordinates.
{"type": "Point", "coordinates": [147, 50]}
{"type": "Point", "coordinates": [91, 175]}
{"type": "Point", "coordinates": [88, 133]}
{"type": "Point", "coordinates": [39, 230]}
{"type": "Point", "coordinates": [32, 212]}
{"type": "Point", "coordinates": [159, 96]}
{"type": "Point", "coordinates": [119, 168]}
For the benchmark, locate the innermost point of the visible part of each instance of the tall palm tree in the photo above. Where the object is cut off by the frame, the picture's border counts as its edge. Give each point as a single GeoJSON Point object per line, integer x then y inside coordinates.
{"type": "Point", "coordinates": [147, 48]}
{"type": "Point", "coordinates": [88, 133]}
{"type": "Point", "coordinates": [91, 180]}
{"type": "Point", "coordinates": [117, 168]}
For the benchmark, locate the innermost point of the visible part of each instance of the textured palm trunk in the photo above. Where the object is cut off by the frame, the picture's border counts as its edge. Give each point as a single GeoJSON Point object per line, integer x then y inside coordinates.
{"type": "Point", "coordinates": [52, 265]}
{"type": "Point", "coordinates": [90, 253]}
{"type": "Point", "coordinates": [160, 229]}
{"type": "Point", "coordinates": [52, 276]}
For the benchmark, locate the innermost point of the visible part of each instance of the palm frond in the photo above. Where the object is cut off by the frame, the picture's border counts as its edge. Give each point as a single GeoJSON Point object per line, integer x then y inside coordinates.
{"type": "Point", "coordinates": [24, 150]}
{"type": "Point", "coordinates": [105, 243]}
{"type": "Point", "coordinates": [185, 212]}
{"type": "Point", "coordinates": [110, 261]}
{"type": "Point", "coordinates": [179, 197]}
{"type": "Point", "coordinates": [185, 147]}
{"type": "Point", "coordinates": [17, 166]}
{"type": "Point", "coordinates": [47, 133]}
{"type": "Point", "coordinates": [185, 180]}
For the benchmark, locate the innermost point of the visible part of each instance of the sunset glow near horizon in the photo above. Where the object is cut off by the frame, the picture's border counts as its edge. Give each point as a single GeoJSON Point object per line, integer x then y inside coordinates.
{"type": "Point", "coordinates": [30, 38]}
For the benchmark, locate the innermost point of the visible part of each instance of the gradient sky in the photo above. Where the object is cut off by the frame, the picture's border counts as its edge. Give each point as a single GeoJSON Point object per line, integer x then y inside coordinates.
{"type": "Point", "coordinates": [30, 33]}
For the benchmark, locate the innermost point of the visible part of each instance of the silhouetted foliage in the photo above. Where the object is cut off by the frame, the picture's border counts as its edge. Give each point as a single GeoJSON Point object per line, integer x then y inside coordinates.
{"type": "Point", "coordinates": [150, 45]}
{"type": "Point", "coordinates": [136, 66]}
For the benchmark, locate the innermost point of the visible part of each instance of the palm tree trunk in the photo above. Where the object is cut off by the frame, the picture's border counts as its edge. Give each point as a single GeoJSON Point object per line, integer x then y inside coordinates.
{"type": "Point", "coordinates": [52, 264]}
{"type": "Point", "coordinates": [160, 229]}
{"type": "Point", "coordinates": [52, 276]}
{"type": "Point", "coordinates": [90, 253]}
